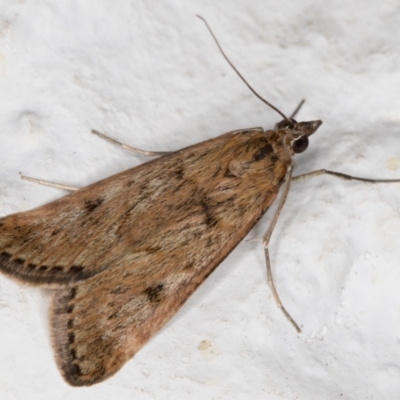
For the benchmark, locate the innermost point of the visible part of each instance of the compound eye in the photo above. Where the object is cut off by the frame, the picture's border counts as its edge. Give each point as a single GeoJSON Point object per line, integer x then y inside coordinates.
{"type": "Point", "coordinates": [285, 123]}
{"type": "Point", "coordinates": [300, 144]}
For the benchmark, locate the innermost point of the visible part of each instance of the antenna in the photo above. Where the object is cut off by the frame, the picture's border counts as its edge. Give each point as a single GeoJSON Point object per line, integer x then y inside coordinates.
{"type": "Point", "coordinates": [240, 75]}
{"type": "Point", "coordinates": [294, 113]}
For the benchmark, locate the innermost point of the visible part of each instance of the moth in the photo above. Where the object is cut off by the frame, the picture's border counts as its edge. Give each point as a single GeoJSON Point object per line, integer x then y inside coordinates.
{"type": "Point", "coordinates": [125, 253]}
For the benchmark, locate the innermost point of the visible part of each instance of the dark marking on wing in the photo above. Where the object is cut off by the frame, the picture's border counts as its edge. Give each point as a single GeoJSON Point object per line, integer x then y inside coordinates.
{"type": "Point", "coordinates": [12, 267]}
{"type": "Point", "coordinates": [179, 172]}
{"type": "Point", "coordinates": [189, 265]}
{"type": "Point", "coordinates": [76, 269]}
{"type": "Point", "coordinates": [91, 205]}
{"type": "Point", "coordinates": [263, 152]}
{"type": "Point", "coordinates": [209, 217]}
{"type": "Point", "coordinates": [19, 261]}
{"type": "Point", "coordinates": [153, 292]}
{"type": "Point", "coordinates": [71, 337]}
{"type": "Point", "coordinates": [75, 370]}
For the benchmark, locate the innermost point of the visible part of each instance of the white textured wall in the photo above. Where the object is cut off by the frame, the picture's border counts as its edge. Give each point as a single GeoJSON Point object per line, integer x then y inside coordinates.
{"type": "Point", "coordinates": [149, 74]}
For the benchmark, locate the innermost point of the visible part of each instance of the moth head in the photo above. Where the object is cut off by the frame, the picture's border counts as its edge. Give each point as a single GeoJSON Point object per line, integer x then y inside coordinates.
{"type": "Point", "coordinates": [296, 133]}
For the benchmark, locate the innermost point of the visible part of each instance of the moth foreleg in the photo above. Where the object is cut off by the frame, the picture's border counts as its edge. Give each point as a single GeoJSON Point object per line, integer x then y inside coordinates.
{"type": "Point", "coordinates": [342, 176]}
{"type": "Point", "coordinates": [130, 148]}
{"type": "Point", "coordinates": [51, 184]}
{"type": "Point", "coordinates": [265, 242]}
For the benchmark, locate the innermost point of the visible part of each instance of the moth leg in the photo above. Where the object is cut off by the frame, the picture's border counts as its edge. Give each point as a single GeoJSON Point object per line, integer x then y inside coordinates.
{"type": "Point", "coordinates": [130, 148]}
{"type": "Point", "coordinates": [47, 183]}
{"type": "Point", "coordinates": [342, 176]}
{"type": "Point", "coordinates": [267, 237]}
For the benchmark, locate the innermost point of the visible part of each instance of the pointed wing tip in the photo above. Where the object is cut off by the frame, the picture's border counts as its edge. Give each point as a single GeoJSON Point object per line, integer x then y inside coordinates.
{"type": "Point", "coordinates": [71, 366]}
{"type": "Point", "coordinates": [51, 277]}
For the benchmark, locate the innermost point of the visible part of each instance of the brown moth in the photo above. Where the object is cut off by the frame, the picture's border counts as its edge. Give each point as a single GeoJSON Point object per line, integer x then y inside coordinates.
{"type": "Point", "coordinates": [125, 253]}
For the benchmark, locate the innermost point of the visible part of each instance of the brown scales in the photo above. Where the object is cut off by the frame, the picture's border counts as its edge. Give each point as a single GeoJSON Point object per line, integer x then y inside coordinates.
{"type": "Point", "coordinates": [125, 253]}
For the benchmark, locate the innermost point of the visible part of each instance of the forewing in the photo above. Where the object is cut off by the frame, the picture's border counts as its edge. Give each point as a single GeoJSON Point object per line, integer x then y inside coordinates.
{"type": "Point", "coordinates": [189, 215]}
{"type": "Point", "coordinates": [75, 237]}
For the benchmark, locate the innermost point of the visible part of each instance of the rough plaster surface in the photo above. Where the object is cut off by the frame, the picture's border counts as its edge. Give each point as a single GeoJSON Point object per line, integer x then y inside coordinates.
{"type": "Point", "coordinates": [148, 74]}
